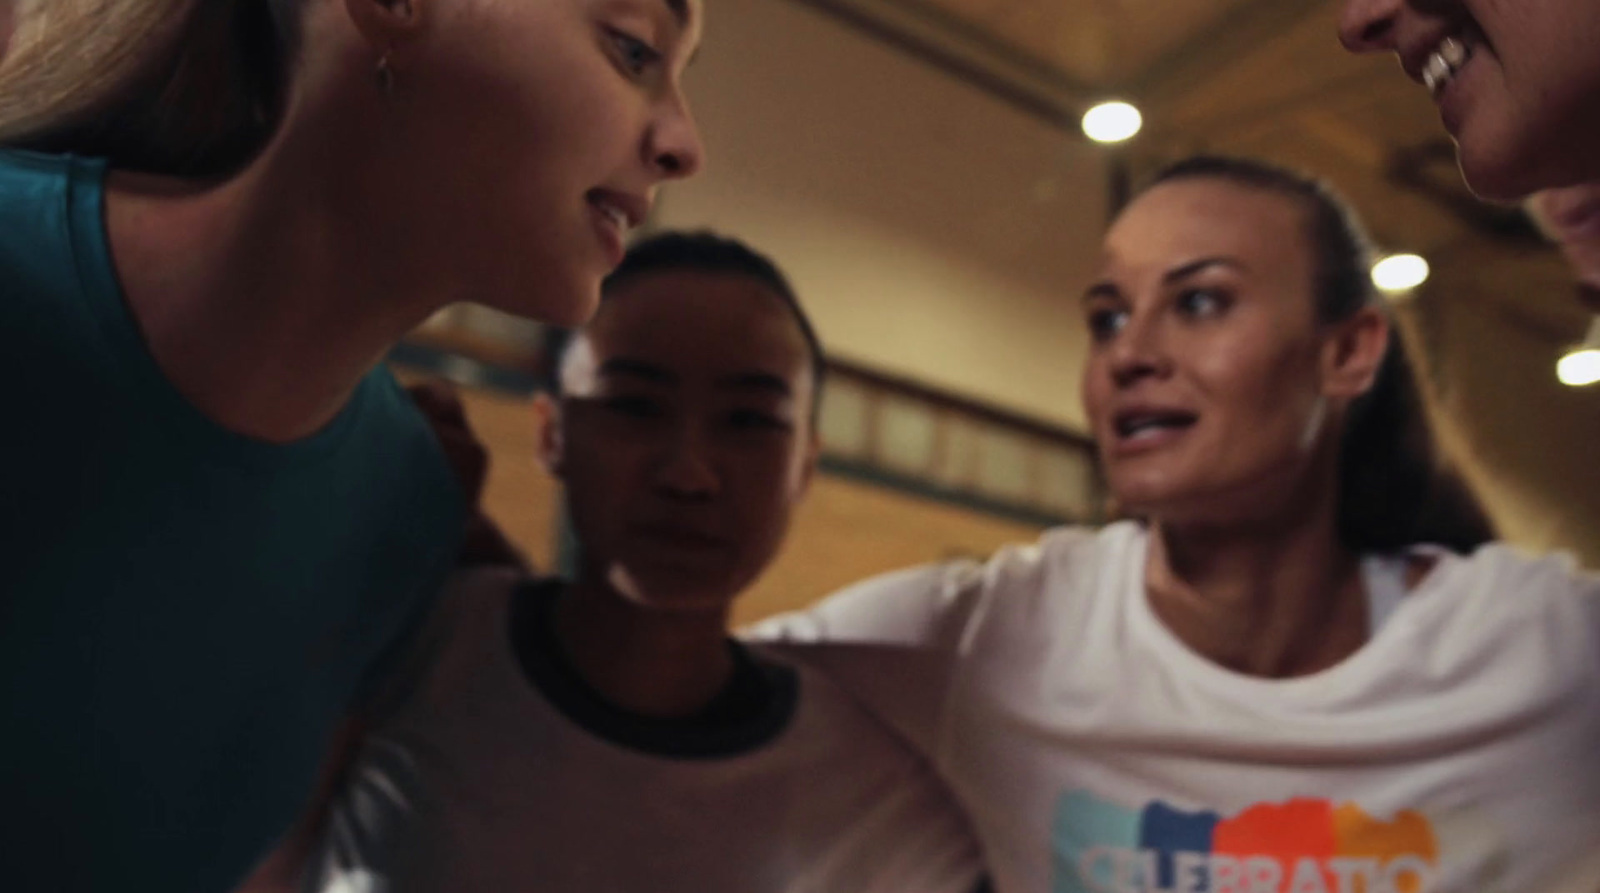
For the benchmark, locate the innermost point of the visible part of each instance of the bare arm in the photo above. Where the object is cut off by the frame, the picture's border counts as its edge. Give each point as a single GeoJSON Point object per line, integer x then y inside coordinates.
{"type": "Point", "coordinates": [281, 870]}
{"type": "Point", "coordinates": [485, 543]}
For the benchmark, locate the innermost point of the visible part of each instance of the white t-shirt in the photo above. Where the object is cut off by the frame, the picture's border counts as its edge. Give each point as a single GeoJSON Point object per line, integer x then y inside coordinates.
{"type": "Point", "coordinates": [481, 783]}
{"type": "Point", "coordinates": [1458, 751]}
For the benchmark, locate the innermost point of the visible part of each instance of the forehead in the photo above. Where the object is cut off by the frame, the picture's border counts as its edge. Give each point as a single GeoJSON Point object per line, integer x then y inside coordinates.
{"type": "Point", "coordinates": [694, 322]}
{"type": "Point", "coordinates": [1185, 220]}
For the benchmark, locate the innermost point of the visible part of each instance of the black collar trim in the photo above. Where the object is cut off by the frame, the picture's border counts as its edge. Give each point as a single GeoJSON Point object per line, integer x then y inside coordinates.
{"type": "Point", "coordinates": [756, 706]}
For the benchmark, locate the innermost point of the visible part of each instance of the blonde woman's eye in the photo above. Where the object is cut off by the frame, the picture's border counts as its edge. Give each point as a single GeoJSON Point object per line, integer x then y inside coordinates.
{"type": "Point", "coordinates": [635, 55]}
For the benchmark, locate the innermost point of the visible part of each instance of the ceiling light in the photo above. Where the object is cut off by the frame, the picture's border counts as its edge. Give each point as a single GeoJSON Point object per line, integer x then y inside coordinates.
{"type": "Point", "coordinates": [1581, 365]}
{"type": "Point", "coordinates": [1399, 273]}
{"type": "Point", "coordinates": [1112, 122]}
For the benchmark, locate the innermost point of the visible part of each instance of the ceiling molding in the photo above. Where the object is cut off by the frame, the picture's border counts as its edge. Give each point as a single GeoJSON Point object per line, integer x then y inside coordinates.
{"type": "Point", "coordinates": [1272, 113]}
{"type": "Point", "coordinates": [970, 54]}
{"type": "Point", "coordinates": [1236, 33]}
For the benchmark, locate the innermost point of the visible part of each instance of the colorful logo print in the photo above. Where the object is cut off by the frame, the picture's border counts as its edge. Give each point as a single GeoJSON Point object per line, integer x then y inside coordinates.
{"type": "Point", "coordinates": [1302, 846]}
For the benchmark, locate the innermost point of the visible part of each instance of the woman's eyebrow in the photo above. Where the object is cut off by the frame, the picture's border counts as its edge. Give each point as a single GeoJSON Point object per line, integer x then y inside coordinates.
{"type": "Point", "coordinates": [1196, 266]}
{"type": "Point", "coordinates": [624, 367]}
{"type": "Point", "coordinates": [1102, 290]}
{"type": "Point", "coordinates": [758, 382]}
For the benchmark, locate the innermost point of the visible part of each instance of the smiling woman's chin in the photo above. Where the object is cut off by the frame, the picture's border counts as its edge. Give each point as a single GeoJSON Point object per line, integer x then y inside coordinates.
{"type": "Point", "coordinates": [1146, 493]}
{"type": "Point", "coordinates": [1506, 164]}
{"type": "Point", "coordinates": [1492, 173]}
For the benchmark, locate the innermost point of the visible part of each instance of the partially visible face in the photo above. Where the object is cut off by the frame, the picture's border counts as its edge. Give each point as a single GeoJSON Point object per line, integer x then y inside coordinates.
{"type": "Point", "coordinates": [1522, 95]}
{"type": "Point", "coordinates": [547, 128]}
{"type": "Point", "coordinates": [685, 442]}
{"type": "Point", "coordinates": [1571, 215]}
{"type": "Point", "coordinates": [1203, 384]}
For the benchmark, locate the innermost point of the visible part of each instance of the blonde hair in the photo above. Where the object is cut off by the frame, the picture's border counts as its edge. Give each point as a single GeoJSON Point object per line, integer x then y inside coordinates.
{"type": "Point", "coordinates": [183, 87]}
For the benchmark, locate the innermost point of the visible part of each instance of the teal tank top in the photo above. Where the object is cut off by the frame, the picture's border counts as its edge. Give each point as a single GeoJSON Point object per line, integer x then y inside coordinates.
{"type": "Point", "coordinates": [186, 614]}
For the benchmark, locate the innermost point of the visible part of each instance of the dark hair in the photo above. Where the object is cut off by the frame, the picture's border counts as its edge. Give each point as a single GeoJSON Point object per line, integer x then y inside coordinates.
{"type": "Point", "coordinates": [1395, 487]}
{"type": "Point", "coordinates": [706, 252]}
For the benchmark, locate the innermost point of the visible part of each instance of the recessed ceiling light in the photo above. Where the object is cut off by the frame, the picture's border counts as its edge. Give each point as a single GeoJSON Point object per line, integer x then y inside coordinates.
{"type": "Point", "coordinates": [1400, 273]}
{"type": "Point", "coordinates": [1581, 366]}
{"type": "Point", "coordinates": [1112, 122]}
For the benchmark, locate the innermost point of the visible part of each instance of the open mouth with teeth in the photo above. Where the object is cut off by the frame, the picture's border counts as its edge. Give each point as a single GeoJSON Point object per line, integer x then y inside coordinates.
{"type": "Point", "coordinates": [1443, 64]}
{"type": "Point", "coordinates": [615, 214]}
{"type": "Point", "coordinates": [1139, 427]}
{"type": "Point", "coordinates": [1449, 58]}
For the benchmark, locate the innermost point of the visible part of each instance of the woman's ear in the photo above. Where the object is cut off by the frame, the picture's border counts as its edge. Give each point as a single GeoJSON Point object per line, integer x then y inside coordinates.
{"type": "Point", "coordinates": [1354, 352]}
{"type": "Point", "coordinates": [552, 434]}
{"type": "Point", "coordinates": [388, 24]}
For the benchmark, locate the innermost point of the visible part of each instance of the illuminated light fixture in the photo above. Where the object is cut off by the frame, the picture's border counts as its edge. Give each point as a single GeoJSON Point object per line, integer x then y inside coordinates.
{"type": "Point", "coordinates": [1399, 273]}
{"type": "Point", "coordinates": [1112, 122]}
{"type": "Point", "coordinates": [1581, 366]}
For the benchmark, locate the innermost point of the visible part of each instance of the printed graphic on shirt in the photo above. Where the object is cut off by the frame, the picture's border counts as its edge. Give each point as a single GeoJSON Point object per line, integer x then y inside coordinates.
{"type": "Point", "coordinates": [1301, 846]}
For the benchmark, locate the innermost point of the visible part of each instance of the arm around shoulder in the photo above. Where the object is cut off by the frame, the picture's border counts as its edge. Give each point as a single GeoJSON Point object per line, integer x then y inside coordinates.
{"type": "Point", "coordinates": [920, 607]}
{"type": "Point", "coordinates": [891, 643]}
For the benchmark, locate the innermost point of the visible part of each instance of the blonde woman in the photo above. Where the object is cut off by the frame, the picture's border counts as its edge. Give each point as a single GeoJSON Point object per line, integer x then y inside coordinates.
{"type": "Point", "coordinates": [215, 218]}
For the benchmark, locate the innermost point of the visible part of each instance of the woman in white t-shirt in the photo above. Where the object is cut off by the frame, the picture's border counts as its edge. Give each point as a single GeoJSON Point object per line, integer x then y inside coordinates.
{"type": "Point", "coordinates": [1298, 672]}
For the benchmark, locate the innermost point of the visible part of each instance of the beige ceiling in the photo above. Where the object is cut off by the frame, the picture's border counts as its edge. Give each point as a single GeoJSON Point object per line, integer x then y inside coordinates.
{"type": "Point", "coordinates": [1100, 42]}
{"type": "Point", "coordinates": [1268, 78]}
{"type": "Point", "coordinates": [1259, 77]}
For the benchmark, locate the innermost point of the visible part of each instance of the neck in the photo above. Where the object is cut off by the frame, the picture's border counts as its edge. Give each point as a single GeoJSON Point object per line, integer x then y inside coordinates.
{"type": "Point", "coordinates": [1277, 598]}
{"type": "Point", "coordinates": [647, 661]}
{"type": "Point", "coordinates": [266, 298]}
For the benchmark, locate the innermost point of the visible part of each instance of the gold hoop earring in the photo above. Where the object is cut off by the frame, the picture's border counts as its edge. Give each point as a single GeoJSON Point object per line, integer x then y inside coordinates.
{"type": "Point", "coordinates": [385, 75]}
